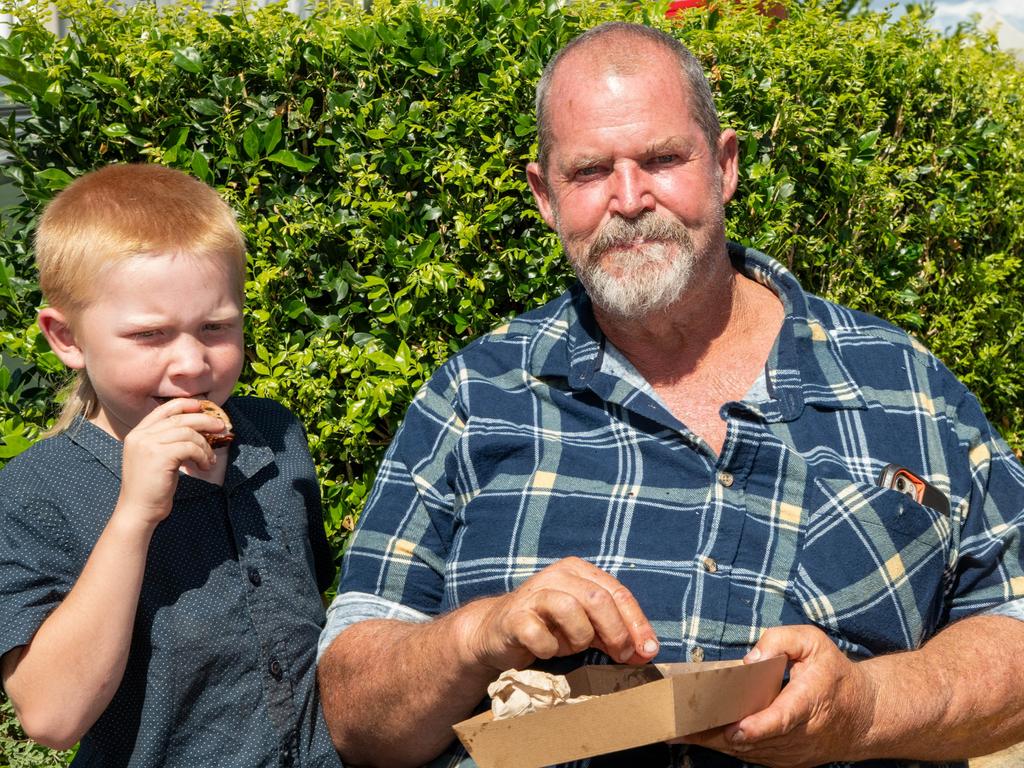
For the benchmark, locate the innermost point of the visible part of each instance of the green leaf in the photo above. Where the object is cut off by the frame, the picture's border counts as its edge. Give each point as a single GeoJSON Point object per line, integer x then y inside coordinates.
{"type": "Point", "coordinates": [207, 107]}
{"type": "Point", "coordinates": [187, 59]}
{"type": "Point", "coordinates": [363, 38]}
{"type": "Point", "coordinates": [868, 140]}
{"type": "Point", "coordinates": [113, 82]}
{"type": "Point", "coordinates": [55, 179]}
{"type": "Point", "coordinates": [272, 135]}
{"type": "Point", "coordinates": [200, 166]}
{"type": "Point", "coordinates": [176, 137]}
{"type": "Point", "coordinates": [294, 308]}
{"type": "Point", "coordinates": [12, 445]}
{"type": "Point", "coordinates": [293, 160]}
{"type": "Point", "coordinates": [251, 141]}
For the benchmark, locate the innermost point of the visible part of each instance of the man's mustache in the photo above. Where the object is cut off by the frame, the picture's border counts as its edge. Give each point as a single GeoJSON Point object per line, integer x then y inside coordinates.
{"type": "Point", "coordinates": [620, 233]}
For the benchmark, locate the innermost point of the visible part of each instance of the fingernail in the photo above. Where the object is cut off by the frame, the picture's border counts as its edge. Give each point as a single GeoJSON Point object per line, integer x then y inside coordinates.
{"type": "Point", "coordinates": [739, 737]}
{"type": "Point", "coordinates": [754, 655]}
{"type": "Point", "coordinates": [626, 656]}
{"type": "Point", "coordinates": [650, 647]}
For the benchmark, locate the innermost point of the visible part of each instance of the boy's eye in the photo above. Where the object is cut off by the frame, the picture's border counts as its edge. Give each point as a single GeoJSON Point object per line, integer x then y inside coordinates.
{"type": "Point", "coordinates": [152, 334]}
{"type": "Point", "coordinates": [215, 327]}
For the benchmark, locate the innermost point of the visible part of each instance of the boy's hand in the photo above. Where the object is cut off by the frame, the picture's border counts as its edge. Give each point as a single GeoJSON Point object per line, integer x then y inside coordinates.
{"type": "Point", "coordinates": [168, 438]}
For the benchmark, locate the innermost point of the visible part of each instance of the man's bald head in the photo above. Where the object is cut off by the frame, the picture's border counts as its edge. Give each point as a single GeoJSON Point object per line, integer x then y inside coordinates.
{"type": "Point", "coordinates": [626, 49]}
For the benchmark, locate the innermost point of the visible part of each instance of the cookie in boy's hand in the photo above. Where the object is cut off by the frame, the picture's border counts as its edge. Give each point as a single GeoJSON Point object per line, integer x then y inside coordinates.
{"type": "Point", "coordinates": [225, 436]}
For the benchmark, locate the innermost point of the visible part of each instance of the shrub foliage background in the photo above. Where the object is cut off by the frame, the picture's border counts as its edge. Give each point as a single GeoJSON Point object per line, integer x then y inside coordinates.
{"type": "Point", "coordinates": [376, 161]}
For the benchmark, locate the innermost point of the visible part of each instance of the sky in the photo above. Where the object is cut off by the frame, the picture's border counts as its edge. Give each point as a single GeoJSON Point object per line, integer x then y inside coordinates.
{"type": "Point", "coordinates": [949, 12]}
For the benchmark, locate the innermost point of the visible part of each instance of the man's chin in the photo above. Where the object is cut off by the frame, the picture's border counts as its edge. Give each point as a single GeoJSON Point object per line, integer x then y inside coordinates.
{"type": "Point", "coordinates": [635, 295]}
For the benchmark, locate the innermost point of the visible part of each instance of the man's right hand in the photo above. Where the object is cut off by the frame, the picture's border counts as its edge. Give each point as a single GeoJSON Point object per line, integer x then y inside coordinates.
{"type": "Point", "coordinates": [568, 607]}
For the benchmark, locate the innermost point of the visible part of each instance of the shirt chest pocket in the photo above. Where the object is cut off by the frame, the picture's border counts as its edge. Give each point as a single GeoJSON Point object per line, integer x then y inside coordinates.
{"type": "Point", "coordinates": [290, 552]}
{"type": "Point", "coordinates": [277, 552]}
{"type": "Point", "coordinates": [871, 566]}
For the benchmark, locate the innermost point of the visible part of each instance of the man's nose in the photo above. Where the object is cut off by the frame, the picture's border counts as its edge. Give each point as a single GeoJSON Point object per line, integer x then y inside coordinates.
{"type": "Point", "coordinates": [631, 192]}
{"type": "Point", "coordinates": [188, 356]}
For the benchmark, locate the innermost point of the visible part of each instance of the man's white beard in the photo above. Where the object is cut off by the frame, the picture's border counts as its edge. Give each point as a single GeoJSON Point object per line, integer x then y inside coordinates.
{"type": "Point", "coordinates": [649, 278]}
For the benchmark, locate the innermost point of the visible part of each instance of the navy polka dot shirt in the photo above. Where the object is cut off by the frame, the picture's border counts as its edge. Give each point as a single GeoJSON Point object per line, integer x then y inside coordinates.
{"type": "Point", "coordinates": [221, 671]}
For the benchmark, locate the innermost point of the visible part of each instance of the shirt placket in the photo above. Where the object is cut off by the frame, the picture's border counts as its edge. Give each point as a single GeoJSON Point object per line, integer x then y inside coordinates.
{"type": "Point", "coordinates": [709, 608]}
{"type": "Point", "coordinates": [278, 684]}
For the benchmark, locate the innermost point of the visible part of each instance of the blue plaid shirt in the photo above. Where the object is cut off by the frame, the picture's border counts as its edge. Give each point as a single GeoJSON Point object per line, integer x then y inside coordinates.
{"type": "Point", "coordinates": [524, 449]}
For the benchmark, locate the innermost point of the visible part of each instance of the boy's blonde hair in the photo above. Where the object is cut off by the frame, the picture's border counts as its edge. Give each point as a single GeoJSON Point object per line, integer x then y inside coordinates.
{"type": "Point", "coordinates": [117, 213]}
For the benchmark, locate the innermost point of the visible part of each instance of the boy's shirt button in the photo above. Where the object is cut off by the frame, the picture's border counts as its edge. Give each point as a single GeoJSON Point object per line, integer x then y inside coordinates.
{"type": "Point", "coordinates": [275, 669]}
{"type": "Point", "coordinates": [254, 576]}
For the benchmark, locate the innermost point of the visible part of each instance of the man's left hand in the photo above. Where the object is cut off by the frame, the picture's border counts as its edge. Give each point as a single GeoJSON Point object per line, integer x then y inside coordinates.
{"type": "Point", "coordinates": [817, 717]}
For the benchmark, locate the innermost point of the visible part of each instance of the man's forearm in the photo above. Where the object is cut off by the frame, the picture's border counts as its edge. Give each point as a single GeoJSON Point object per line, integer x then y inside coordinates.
{"type": "Point", "coordinates": [961, 695]}
{"type": "Point", "coordinates": [391, 690]}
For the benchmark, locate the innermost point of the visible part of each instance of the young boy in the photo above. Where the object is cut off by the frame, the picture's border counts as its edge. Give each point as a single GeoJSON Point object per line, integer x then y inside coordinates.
{"type": "Point", "coordinates": [160, 599]}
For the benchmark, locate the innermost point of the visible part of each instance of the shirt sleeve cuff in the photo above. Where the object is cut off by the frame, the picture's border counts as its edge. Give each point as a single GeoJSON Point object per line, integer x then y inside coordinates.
{"type": "Point", "coordinates": [1012, 608]}
{"type": "Point", "coordinates": [350, 608]}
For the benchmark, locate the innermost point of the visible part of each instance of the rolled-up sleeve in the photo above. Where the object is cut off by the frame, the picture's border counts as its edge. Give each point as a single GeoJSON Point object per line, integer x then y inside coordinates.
{"type": "Point", "coordinates": [990, 568]}
{"type": "Point", "coordinates": [394, 566]}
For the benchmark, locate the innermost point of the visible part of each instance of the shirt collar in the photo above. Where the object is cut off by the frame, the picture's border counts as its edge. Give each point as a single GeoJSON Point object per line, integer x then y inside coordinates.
{"type": "Point", "coordinates": [803, 368]}
{"type": "Point", "coordinates": [249, 452]}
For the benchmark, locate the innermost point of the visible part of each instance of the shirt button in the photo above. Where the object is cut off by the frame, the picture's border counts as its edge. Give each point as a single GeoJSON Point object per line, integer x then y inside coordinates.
{"type": "Point", "coordinates": [275, 669]}
{"type": "Point", "coordinates": [726, 479]}
{"type": "Point", "coordinates": [254, 576]}
{"type": "Point", "coordinates": [709, 564]}
{"type": "Point", "coordinates": [697, 654]}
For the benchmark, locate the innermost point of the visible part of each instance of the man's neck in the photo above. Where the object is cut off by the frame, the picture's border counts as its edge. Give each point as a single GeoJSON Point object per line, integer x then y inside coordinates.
{"type": "Point", "coordinates": [670, 344]}
{"type": "Point", "coordinates": [705, 350]}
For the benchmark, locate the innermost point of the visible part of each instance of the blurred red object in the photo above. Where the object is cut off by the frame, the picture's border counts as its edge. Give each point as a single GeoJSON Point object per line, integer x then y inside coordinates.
{"type": "Point", "coordinates": [768, 8]}
{"type": "Point", "coordinates": [678, 5]}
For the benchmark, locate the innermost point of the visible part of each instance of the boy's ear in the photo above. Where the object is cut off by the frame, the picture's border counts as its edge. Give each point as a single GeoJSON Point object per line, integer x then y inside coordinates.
{"type": "Point", "coordinates": [57, 330]}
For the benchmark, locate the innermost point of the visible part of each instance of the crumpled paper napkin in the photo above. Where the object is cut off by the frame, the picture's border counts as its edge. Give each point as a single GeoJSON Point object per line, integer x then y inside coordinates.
{"type": "Point", "coordinates": [519, 691]}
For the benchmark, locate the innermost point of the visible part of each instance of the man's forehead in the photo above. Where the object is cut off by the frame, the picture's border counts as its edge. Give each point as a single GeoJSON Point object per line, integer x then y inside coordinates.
{"type": "Point", "coordinates": [617, 53]}
{"type": "Point", "coordinates": [613, 66]}
{"type": "Point", "coordinates": [596, 93]}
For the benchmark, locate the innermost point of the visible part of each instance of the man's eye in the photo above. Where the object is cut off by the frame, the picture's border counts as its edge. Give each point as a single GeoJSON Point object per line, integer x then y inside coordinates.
{"type": "Point", "coordinates": [590, 170]}
{"type": "Point", "coordinates": [665, 159]}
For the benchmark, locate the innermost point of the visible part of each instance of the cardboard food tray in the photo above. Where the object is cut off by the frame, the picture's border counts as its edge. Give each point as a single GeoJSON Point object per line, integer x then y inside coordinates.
{"type": "Point", "coordinates": [633, 706]}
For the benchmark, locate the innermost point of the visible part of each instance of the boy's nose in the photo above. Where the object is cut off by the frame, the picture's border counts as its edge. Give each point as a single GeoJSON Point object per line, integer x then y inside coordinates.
{"type": "Point", "coordinates": [188, 357]}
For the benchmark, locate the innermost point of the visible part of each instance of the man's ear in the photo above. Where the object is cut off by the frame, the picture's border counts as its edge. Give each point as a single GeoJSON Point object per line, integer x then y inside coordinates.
{"type": "Point", "coordinates": [728, 163]}
{"type": "Point", "coordinates": [57, 330]}
{"type": "Point", "coordinates": [541, 193]}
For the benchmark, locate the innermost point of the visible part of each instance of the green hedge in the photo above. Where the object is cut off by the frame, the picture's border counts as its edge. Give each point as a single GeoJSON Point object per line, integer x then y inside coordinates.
{"type": "Point", "coordinates": [377, 164]}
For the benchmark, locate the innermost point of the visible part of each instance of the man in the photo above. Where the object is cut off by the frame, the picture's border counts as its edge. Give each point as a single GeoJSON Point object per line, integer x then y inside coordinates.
{"type": "Point", "coordinates": [680, 460]}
